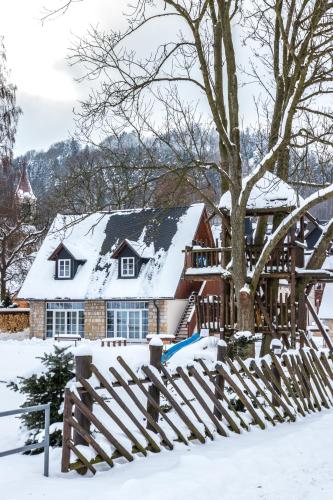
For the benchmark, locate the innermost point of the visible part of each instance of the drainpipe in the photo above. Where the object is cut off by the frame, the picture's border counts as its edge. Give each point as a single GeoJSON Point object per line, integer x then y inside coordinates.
{"type": "Point", "coordinates": [157, 317]}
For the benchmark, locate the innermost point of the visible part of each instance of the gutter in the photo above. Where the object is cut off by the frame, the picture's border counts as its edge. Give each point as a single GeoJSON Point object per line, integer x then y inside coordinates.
{"type": "Point", "coordinates": [157, 317]}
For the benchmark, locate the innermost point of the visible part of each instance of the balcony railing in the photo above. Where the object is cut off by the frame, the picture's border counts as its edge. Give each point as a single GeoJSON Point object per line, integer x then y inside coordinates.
{"type": "Point", "coordinates": [214, 260]}
{"type": "Point", "coordinates": [202, 257]}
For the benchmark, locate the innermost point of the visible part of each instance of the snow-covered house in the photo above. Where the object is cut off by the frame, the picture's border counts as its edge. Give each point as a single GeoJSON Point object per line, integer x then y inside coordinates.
{"type": "Point", "coordinates": [115, 274]}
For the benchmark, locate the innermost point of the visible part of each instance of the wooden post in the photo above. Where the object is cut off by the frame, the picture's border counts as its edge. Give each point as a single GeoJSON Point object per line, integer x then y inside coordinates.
{"type": "Point", "coordinates": [155, 348]}
{"type": "Point", "coordinates": [66, 433]}
{"type": "Point", "coordinates": [221, 356]}
{"type": "Point", "coordinates": [276, 348]}
{"type": "Point", "coordinates": [293, 290]}
{"type": "Point", "coordinates": [83, 369]}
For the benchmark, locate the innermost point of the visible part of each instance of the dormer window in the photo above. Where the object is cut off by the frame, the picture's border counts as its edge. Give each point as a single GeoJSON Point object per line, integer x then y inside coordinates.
{"type": "Point", "coordinates": [67, 261]}
{"type": "Point", "coordinates": [64, 268]}
{"type": "Point", "coordinates": [127, 267]}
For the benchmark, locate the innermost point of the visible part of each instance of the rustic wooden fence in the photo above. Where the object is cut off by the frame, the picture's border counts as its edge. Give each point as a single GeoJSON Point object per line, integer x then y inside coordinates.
{"type": "Point", "coordinates": [116, 416]}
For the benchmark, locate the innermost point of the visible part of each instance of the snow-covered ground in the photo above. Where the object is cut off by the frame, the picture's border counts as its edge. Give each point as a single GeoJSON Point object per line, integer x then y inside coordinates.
{"type": "Point", "coordinates": [288, 462]}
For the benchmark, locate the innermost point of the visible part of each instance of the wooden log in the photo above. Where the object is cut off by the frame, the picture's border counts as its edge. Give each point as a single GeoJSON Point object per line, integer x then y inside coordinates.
{"type": "Point", "coordinates": [66, 433]}
{"type": "Point", "coordinates": [174, 404]}
{"type": "Point", "coordinates": [102, 380]}
{"type": "Point", "coordinates": [155, 361]}
{"type": "Point", "coordinates": [220, 429]}
{"type": "Point", "coordinates": [151, 400]}
{"type": "Point", "coordinates": [83, 369]}
{"type": "Point", "coordinates": [140, 406]}
{"type": "Point", "coordinates": [114, 417]}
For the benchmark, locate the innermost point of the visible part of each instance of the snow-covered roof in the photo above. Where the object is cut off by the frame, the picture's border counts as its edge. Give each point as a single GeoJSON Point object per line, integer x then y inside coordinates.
{"type": "Point", "coordinates": [269, 192]}
{"type": "Point", "coordinates": [163, 233]}
{"type": "Point", "coordinates": [326, 306]}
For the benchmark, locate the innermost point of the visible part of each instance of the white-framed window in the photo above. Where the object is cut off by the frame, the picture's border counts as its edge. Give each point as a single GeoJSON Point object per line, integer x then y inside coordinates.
{"type": "Point", "coordinates": [64, 268]}
{"type": "Point", "coordinates": [127, 319]}
{"type": "Point", "coordinates": [64, 318]}
{"type": "Point", "coordinates": [127, 267]}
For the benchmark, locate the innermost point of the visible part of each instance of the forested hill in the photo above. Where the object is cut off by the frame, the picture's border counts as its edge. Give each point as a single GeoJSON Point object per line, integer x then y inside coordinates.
{"type": "Point", "coordinates": [70, 177]}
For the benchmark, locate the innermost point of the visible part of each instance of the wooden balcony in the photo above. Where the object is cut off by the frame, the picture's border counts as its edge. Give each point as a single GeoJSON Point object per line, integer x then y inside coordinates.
{"type": "Point", "coordinates": [211, 263]}
{"type": "Point", "coordinates": [202, 263]}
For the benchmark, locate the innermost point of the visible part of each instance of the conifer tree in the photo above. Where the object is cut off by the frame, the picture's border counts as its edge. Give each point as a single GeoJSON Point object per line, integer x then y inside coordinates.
{"type": "Point", "coordinates": [46, 387]}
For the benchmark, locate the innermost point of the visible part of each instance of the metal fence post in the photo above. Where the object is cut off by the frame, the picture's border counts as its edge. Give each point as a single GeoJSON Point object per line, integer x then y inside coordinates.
{"type": "Point", "coordinates": [47, 440]}
{"type": "Point", "coordinates": [155, 348]}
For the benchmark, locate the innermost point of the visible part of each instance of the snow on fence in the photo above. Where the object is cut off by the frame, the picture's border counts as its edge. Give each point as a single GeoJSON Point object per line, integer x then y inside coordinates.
{"type": "Point", "coordinates": [129, 412]}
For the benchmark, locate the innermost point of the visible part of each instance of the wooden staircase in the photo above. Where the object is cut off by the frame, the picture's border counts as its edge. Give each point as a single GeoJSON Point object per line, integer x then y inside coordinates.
{"type": "Point", "coordinates": [182, 328]}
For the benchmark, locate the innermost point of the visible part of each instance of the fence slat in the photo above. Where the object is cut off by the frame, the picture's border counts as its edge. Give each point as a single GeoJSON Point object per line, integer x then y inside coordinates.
{"type": "Point", "coordinates": [248, 390]}
{"type": "Point", "coordinates": [259, 389]}
{"type": "Point", "coordinates": [215, 400]}
{"type": "Point", "coordinates": [67, 432]}
{"type": "Point", "coordinates": [283, 376]}
{"type": "Point", "coordinates": [301, 382]}
{"type": "Point", "coordinates": [141, 407]}
{"type": "Point", "coordinates": [220, 429]}
{"type": "Point", "coordinates": [272, 390]}
{"type": "Point", "coordinates": [241, 396]}
{"type": "Point", "coordinates": [175, 405]}
{"type": "Point", "coordinates": [90, 440]}
{"type": "Point", "coordinates": [185, 399]}
{"type": "Point", "coordinates": [102, 380]}
{"type": "Point", "coordinates": [151, 399]}
{"type": "Point", "coordinates": [112, 415]}
{"type": "Point", "coordinates": [223, 395]}
{"type": "Point", "coordinates": [101, 428]}
{"type": "Point", "coordinates": [82, 458]}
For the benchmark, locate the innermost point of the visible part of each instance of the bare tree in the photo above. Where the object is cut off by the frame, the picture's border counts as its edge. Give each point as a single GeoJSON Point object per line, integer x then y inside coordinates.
{"type": "Point", "coordinates": [163, 95]}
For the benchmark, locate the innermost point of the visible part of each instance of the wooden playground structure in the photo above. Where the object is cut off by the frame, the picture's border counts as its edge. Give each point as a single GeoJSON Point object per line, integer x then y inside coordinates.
{"type": "Point", "coordinates": [280, 310]}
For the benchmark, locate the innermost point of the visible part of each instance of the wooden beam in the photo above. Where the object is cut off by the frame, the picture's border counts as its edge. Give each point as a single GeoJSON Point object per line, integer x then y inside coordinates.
{"type": "Point", "coordinates": [319, 324]}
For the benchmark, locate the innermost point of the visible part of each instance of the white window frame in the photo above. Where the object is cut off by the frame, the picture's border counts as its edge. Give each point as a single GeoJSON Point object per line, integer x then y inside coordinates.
{"type": "Point", "coordinates": [123, 308]}
{"type": "Point", "coordinates": [125, 267]}
{"type": "Point", "coordinates": [67, 310]}
{"type": "Point", "coordinates": [64, 273]}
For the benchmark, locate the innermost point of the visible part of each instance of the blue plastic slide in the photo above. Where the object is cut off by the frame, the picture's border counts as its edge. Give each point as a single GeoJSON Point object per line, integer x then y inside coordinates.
{"type": "Point", "coordinates": [175, 348]}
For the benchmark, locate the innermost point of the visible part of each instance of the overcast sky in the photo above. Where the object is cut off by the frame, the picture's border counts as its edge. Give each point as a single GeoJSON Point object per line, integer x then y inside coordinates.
{"type": "Point", "coordinates": [36, 55]}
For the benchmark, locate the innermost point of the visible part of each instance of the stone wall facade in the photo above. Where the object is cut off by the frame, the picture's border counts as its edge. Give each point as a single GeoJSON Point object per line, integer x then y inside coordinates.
{"type": "Point", "coordinates": [95, 319]}
{"type": "Point", "coordinates": [37, 319]}
{"type": "Point", "coordinates": [152, 316]}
